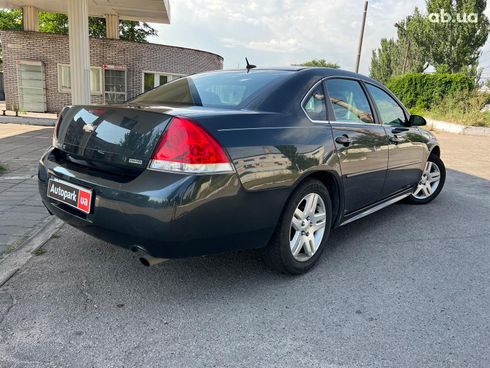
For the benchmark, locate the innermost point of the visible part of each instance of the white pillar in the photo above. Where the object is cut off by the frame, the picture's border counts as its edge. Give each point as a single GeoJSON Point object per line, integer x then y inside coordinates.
{"type": "Point", "coordinates": [79, 51]}
{"type": "Point", "coordinates": [112, 26]}
{"type": "Point", "coordinates": [30, 20]}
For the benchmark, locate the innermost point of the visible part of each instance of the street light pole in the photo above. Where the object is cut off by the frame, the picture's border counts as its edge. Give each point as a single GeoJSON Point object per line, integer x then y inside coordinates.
{"type": "Point", "coordinates": [359, 49]}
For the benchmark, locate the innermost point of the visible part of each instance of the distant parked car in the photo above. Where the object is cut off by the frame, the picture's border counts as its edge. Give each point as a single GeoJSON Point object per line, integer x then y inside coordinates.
{"type": "Point", "coordinates": [227, 160]}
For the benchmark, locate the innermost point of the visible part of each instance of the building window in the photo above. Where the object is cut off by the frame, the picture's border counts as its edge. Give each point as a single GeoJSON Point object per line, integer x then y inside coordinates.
{"type": "Point", "coordinates": [64, 79]}
{"type": "Point", "coordinates": [115, 85]}
{"type": "Point", "coordinates": [155, 79]}
{"type": "Point", "coordinates": [96, 81]}
{"type": "Point", "coordinates": [31, 78]}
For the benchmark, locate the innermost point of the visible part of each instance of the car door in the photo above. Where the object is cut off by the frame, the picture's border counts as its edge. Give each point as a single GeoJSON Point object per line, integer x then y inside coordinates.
{"type": "Point", "coordinates": [406, 148]}
{"type": "Point", "coordinates": [362, 145]}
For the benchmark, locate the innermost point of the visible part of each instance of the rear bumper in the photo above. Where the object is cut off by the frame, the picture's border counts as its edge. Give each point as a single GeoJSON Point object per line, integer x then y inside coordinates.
{"type": "Point", "coordinates": [167, 215]}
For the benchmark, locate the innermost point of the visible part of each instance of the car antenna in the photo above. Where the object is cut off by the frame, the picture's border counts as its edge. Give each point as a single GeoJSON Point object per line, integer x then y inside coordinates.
{"type": "Point", "coordinates": [249, 66]}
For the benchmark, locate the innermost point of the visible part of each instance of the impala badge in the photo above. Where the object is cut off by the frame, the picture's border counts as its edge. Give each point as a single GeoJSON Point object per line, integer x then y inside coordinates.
{"type": "Point", "coordinates": [135, 161]}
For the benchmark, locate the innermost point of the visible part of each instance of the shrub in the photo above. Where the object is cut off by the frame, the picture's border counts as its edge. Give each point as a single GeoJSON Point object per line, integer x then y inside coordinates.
{"type": "Point", "coordinates": [422, 91]}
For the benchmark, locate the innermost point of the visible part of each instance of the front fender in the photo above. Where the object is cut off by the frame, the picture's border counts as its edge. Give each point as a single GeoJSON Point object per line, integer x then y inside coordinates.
{"type": "Point", "coordinates": [431, 143]}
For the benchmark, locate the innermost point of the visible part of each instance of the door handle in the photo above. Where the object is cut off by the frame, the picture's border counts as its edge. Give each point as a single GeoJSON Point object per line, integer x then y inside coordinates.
{"type": "Point", "coordinates": [395, 140]}
{"type": "Point", "coordinates": [344, 140]}
{"type": "Point", "coordinates": [399, 130]}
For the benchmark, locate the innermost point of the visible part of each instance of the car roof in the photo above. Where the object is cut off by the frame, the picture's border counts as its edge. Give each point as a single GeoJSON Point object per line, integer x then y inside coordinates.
{"type": "Point", "coordinates": [310, 71]}
{"type": "Point", "coordinates": [327, 72]}
{"type": "Point", "coordinates": [286, 93]}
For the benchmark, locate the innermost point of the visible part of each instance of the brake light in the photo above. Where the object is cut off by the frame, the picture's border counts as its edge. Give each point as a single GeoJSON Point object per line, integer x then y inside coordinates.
{"type": "Point", "coordinates": [187, 147]}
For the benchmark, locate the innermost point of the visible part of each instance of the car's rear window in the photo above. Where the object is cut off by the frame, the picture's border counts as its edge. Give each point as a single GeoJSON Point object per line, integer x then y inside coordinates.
{"type": "Point", "coordinates": [220, 89]}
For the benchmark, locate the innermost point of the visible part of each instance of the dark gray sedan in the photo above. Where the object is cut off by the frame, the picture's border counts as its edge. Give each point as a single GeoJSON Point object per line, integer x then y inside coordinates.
{"type": "Point", "coordinates": [227, 160]}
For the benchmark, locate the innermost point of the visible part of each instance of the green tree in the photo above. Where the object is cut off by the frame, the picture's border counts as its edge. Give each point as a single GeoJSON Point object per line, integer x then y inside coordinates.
{"type": "Point", "coordinates": [129, 30]}
{"type": "Point", "coordinates": [11, 19]}
{"type": "Point", "coordinates": [449, 36]}
{"type": "Point", "coordinates": [400, 56]}
{"type": "Point", "coordinates": [136, 31]}
{"type": "Point", "coordinates": [455, 38]}
{"type": "Point", "coordinates": [385, 60]}
{"type": "Point", "coordinates": [53, 23]}
{"type": "Point", "coordinates": [409, 35]}
{"type": "Point", "coordinates": [320, 63]}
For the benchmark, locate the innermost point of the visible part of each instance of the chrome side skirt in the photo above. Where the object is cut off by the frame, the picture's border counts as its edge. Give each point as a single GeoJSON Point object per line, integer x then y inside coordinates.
{"type": "Point", "coordinates": [375, 208]}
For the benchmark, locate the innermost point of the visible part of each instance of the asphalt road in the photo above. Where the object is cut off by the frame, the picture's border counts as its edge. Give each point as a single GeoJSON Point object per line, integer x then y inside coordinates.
{"type": "Point", "coordinates": [406, 287]}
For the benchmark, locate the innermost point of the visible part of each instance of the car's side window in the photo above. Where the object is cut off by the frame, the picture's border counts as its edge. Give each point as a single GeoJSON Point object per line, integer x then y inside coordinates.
{"type": "Point", "coordinates": [390, 111]}
{"type": "Point", "coordinates": [314, 104]}
{"type": "Point", "coordinates": [349, 102]}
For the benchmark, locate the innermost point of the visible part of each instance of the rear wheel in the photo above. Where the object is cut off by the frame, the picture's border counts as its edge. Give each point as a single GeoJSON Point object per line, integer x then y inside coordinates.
{"type": "Point", "coordinates": [431, 182]}
{"type": "Point", "coordinates": [303, 230]}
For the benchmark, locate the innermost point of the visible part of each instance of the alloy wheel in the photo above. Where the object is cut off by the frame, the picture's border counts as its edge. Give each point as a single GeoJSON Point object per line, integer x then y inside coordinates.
{"type": "Point", "coordinates": [429, 181]}
{"type": "Point", "coordinates": [307, 227]}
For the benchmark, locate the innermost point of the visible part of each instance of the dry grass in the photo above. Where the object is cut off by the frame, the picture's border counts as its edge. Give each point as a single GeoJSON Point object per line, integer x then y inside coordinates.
{"type": "Point", "coordinates": [464, 109]}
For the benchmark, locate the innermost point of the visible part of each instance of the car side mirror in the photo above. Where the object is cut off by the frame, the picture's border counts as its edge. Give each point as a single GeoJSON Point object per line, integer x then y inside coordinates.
{"type": "Point", "coordinates": [416, 120]}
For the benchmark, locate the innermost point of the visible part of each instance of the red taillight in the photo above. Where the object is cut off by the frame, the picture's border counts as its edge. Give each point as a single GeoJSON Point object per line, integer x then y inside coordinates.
{"type": "Point", "coordinates": [186, 147]}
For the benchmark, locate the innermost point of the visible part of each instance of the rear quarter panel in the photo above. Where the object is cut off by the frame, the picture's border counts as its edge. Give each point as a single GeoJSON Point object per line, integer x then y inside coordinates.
{"type": "Point", "coordinates": [274, 150]}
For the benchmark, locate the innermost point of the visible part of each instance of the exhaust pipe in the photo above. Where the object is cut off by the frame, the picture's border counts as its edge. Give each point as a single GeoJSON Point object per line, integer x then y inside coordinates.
{"type": "Point", "coordinates": [149, 261]}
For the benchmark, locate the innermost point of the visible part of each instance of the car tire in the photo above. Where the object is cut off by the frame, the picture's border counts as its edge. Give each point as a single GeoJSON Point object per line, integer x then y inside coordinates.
{"type": "Point", "coordinates": [300, 226]}
{"type": "Point", "coordinates": [421, 195]}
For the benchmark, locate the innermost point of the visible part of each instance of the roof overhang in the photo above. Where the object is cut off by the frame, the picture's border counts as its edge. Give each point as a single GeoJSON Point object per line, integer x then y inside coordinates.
{"type": "Point", "coordinates": [155, 11]}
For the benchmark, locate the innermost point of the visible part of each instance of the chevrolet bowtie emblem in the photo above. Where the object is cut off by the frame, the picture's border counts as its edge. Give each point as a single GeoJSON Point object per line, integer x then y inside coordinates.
{"type": "Point", "coordinates": [88, 128]}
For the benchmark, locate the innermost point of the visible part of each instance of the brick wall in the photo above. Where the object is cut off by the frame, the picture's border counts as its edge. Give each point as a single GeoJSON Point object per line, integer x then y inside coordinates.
{"type": "Point", "coordinates": [52, 49]}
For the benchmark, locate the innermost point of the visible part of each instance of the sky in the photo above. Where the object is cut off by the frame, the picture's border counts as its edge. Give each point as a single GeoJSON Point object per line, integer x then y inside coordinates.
{"type": "Point", "coordinates": [285, 32]}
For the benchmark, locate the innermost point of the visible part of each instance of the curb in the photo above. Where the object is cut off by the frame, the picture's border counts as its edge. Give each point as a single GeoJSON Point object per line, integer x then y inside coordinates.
{"type": "Point", "coordinates": [18, 258]}
{"type": "Point", "coordinates": [443, 126]}
{"type": "Point", "coordinates": [27, 121]}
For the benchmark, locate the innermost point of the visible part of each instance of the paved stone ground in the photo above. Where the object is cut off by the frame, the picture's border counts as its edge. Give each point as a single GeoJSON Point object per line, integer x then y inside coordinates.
{"type": "Point", "coordinates": [21, 210]}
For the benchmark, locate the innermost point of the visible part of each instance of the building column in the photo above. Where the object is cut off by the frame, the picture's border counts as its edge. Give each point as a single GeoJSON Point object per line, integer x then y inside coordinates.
{"type": "Point", "coordinates": [30, 20]}
{"type": "Point", "coordinates": [112, 26]}
{"type": "Point", "coordinates": [79, 51]}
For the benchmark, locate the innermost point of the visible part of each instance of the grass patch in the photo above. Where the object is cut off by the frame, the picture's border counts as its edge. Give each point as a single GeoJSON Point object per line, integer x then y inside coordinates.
{"type": "Point", "coordinates": [2, 169]}
{"type": "Point", "coordinates": [39, 251]}
{"type": "Point", "coordinates": [14, 246]}
{"type": "Point", "coordinates": [55, 236]}
{"type": "Point", "coordinates": [10, 248]}
{"type": "Point", "coordinates": [480, 119]}
{"type": "Point", "coordinates": [463, 108]}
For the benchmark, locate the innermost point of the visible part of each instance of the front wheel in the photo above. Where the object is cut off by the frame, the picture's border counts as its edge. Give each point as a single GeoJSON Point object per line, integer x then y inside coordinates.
{"type": "Point", "coordinates": [303, 229]}
{"type": "Point", "coordinates": [431, 182]}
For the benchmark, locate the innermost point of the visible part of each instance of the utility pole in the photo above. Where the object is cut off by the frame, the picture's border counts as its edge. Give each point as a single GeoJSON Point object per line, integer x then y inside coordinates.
{"type": "Point", "coordinates": [405, 58]}
{"type": "Point", "coordinates": [359, 49]}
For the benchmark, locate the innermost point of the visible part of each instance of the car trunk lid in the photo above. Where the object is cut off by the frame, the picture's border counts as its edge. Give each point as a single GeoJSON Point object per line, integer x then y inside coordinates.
{"type": "Point", "coordinates": [111, 138]}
